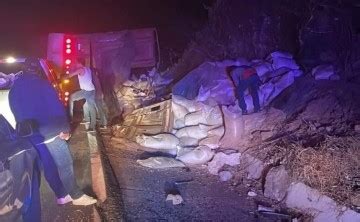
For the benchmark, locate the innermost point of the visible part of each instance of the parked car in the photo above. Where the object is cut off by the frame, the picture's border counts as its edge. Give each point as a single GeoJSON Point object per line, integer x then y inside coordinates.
{"type": "Point", "coordinates": [19, 177]}
{"type": "Point", "coordinates": [9, 68]}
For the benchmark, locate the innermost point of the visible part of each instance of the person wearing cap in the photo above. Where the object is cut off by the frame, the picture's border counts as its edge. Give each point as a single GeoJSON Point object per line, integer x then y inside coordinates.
{"type": "Point", "coordinates": [42, 118]}
{"type": "Point", "coordinates": [245, 77]}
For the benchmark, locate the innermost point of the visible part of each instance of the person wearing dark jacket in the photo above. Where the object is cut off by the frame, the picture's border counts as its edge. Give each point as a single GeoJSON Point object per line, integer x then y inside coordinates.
{"type": "Point", "coordinates": [245, 77]}
{"type": "Point", "coordinates": [40, 116]}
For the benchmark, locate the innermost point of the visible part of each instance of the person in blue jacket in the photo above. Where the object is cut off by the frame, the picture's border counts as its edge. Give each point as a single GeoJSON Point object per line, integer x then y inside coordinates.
{"type": "Point", "coordinates": [40, 115]}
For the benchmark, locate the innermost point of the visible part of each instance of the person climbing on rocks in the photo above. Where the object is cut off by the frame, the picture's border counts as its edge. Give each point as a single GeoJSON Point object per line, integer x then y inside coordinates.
{"type": "Point", "coordinates": [245, 77]}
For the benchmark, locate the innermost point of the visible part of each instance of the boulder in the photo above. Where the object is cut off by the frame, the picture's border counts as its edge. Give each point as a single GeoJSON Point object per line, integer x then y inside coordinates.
{"type": "Point", "coordinates": [220, 159]}
{"type": "Point", "coordinates": [253, 166]}
{"type": "Point", "coordinates": [276, 183]}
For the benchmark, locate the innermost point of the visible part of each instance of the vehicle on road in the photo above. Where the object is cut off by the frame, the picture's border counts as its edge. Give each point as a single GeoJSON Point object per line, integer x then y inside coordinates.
{"type": "Point", "coordinates": [19, 176]}
{"type": "Point", "coordinates": [11, 67]}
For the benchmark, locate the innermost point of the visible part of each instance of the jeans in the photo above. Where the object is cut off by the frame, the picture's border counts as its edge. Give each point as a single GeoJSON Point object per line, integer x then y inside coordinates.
{"type": "Point", "coordinates": [252, 83]}
{"type": "Point", "coordinates": [59, 150]}
{"type": "Point", "coordinates": [89, 107]}
{"type": "Point", "coordinates": [51, 173]}
{"type": "Point", "coordinates": [98, 103]}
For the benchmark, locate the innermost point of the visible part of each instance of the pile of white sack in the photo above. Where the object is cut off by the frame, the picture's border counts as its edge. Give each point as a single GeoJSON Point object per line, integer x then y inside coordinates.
{"type": "Point", "coordinates": [133, 94]}
{"type": "Point", "coordinates": [277, 72]}
{"type": "Point", "coordinates": [198, 129]}
{"type": "Point", "coordinates": [198, 126]}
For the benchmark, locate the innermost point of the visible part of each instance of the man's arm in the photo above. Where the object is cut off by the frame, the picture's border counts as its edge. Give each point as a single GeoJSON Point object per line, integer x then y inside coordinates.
{"type": "Point", "coordinates": [79, 71]}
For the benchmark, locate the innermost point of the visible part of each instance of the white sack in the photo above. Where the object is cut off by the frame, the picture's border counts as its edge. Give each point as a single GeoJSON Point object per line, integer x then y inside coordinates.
{"type": "Point", "coordinates": [188, 141]}
{"type": "Point", "coordinates": [219, 131]}
{"type": "Point", "coordinates": [263, 68]}
{"type": "Point", "coordinates": [198, 132]}
{"type": "Point", "coordinates": [208, 115]}
{"type": "Point", "coordinates": [280, 62]}
{"type": "Point", "coordinates": [160, 162]}
{"type": "Point", "coordinates": [203, 95]}
{"type": "Point", "coordinates": [159, 141]}
{"type": "Point", "coordinates": [200, 155]}
{"type": "Point", "coordinates": [323, 72]}
{"type": "Point", "coordinates": [179, 113]}
{"type": "Point", "coordinates": [234, 126]}
{"type": "Point", "coordinates": [212, 142]}
{"type": "Point", "coordinates": [190, 105]}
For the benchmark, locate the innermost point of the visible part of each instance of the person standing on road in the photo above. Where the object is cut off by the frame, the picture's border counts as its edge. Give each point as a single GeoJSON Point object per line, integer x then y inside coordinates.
{"type": "Point", "coordinates": [87, 92]}
{"type": "Point", "coordinates": [41, 117]}
{"type": "Point", "coordinates": [245, 77]}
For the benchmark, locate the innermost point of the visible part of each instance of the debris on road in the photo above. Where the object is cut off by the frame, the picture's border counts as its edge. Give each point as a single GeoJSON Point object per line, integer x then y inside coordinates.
{"type": "Point", "coordinates": [252, 194]}
{"type": "Point", "coordinates": [225, 176]}
{"type": "Point", "coordinates": [176, 199]}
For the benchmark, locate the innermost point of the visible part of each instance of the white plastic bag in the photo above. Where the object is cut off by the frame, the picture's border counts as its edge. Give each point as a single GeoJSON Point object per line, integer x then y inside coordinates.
{"type": "Point", "coordinates": [159, 141]}
{"type": "Point", "coordinates": [190, 105]}
{"type": "Point", "coordinates": [199, 155]}
{"type": "Point", "coordinates": [160, 162]}
{"type": "Point", "coordinates": [179, 113]}
{"type": "Point", "coordinates": [234, 127]}
{"type": "Point", "coordinates": [280, 62]}
{"type": "Point", "coordinates": [198, 132]}
{"type": "Point", "coordinates": [208, 116]}
{"type": "Point", "coordinates": [323, 72]}
{"type": "Point", "coordinates": [188, 141]}
{"type": "Point", "coordinates": [212, 142]}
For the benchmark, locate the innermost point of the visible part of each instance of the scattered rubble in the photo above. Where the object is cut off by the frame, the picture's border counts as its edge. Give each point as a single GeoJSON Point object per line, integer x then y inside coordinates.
{"type": "Point", "coordinates": [176, 199]}
{"type": "Point", "coordinates": [225, 176]}
{"type": "Point", "coordinates": [251, 194]}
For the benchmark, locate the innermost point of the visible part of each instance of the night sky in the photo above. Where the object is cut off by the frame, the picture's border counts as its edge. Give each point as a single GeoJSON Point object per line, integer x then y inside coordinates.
{"type": "Point", "coordinates": [25, 24]}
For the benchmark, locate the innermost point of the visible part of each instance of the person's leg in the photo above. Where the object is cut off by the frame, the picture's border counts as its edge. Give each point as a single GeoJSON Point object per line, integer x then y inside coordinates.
{"type": "Point", "coordinates": [51, 173]}
{"type": "Point", "coordinates": [100, 111]}
{"type": "Point", "coordinates": [240, 91]}
{"type": "Point", "coordinates": [90, 100]}
{"type": "Point", "coordinates": [253, 88]}
{"type": "Point", "coordinates": [86, 112]}
{"type": "Point", "coordinates": [76, 96]}
{"type": "Point", "coordinates": [59, 150]}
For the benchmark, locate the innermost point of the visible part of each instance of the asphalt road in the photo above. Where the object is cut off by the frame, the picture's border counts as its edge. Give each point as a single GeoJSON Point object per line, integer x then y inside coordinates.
{"type": "Point", "coordinates": [138, 193]}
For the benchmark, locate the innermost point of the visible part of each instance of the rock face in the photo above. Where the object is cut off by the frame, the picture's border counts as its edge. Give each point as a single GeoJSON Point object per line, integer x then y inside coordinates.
{"type": "Point", "coordinates": [276, 183]}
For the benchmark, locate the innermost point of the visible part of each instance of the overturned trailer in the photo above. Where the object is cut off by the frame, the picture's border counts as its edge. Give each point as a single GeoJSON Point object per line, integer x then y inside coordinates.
{"type": "Point", "coordinates": [113, 55]}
